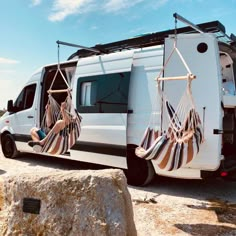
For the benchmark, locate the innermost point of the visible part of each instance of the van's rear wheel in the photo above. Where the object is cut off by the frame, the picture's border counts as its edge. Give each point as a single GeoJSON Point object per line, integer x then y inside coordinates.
{"type": "Point", "coordinates": [140, 172]}
{"type": "Point", "coordinates": [8, 146]}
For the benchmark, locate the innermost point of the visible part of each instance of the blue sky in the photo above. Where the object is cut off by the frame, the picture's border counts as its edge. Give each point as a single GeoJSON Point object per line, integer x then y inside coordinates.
{"type": "Point", "coordinates": [30, 28]}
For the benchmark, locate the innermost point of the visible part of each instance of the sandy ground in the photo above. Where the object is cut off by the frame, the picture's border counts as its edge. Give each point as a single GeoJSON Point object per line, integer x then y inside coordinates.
{"type": "Point", "coordinates": [165, 207]}
{"type": "Point", "coordinates": [185, 207]}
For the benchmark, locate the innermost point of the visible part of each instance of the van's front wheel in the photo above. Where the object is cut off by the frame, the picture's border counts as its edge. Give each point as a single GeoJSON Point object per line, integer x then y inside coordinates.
{"type": "Point", "coordinates": [140, 172]}
{"type": "Point", "coordinates": [8, 146]}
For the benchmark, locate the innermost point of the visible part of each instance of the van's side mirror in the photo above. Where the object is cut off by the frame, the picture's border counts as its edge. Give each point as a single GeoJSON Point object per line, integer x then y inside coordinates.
{"type": "Point", "coordinates": [10, 107]}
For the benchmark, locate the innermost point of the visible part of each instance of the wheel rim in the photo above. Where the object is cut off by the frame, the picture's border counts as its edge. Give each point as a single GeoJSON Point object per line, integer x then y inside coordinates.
{"type": "Point", "coordinates": [8, 147]}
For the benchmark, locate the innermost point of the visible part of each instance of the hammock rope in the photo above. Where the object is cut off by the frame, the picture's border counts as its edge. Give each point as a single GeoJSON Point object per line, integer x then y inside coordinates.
{"type": "Point", "coordinates": [181, 131]}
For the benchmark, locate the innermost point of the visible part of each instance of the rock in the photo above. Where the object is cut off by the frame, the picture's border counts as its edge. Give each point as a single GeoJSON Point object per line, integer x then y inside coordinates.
{"type": "Point", "coordinates": [72, 203]}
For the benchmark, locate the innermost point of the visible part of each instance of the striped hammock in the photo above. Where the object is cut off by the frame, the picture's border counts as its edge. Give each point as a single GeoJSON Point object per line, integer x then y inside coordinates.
{"type": "Point", "coordinates": [182, 134]}
{"type": "Point", "coordinates": [61, 142]}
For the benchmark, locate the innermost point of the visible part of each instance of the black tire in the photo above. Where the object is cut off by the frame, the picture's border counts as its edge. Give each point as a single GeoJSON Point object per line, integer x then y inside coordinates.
{"type": "Point", "coordinates": [140, 172]}
{"type": "Point", "coordinates": [8, 146]}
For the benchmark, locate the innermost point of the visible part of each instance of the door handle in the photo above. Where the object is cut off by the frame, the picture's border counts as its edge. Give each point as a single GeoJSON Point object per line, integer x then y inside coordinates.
{"type": "Point", "coordinates": [130, 111]}
{"type": "Point", "coordinates": [30, 117]}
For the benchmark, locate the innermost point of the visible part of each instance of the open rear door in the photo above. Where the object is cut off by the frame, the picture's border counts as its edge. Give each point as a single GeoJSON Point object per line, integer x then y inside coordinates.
{"type": "Point", "coordinates": [201, 53]}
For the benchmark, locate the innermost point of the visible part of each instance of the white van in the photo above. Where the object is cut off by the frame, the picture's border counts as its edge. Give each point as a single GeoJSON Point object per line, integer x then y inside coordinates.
{"type": "Point", "coordinates": [115, 92]}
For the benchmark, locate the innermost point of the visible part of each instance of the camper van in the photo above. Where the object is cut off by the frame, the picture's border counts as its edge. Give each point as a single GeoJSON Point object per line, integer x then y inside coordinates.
{"type": "Point", "coordinates": [114, 89]}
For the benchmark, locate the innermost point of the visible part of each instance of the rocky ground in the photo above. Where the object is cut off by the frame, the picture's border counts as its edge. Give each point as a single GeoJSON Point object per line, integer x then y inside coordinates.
{"type": "Point", "coordinates": [165, 207]}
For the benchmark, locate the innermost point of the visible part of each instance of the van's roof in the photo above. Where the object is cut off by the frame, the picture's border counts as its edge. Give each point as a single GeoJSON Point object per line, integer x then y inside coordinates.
{"type": "Point", "coordinates": [155, 39]}
{"type": "Point", "coordinates": [39, 70]}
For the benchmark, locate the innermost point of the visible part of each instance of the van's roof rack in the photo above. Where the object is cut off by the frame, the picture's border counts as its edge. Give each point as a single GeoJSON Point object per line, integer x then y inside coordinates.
{"type": "Point", "coordinates": [154, 39]}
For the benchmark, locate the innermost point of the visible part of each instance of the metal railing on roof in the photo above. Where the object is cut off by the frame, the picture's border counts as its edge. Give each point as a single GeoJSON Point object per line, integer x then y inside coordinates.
{"type": "Point", "coordinates": [157, 38]}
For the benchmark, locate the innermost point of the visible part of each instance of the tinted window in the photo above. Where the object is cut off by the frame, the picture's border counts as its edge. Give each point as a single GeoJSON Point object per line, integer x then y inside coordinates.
{"type": "Point", "coordinates": [103, 93]}
{"type": "Point", "coordinates": [26, 98]}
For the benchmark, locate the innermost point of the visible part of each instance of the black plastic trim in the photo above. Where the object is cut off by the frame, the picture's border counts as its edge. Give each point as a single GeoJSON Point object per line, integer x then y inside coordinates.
{"type": "Point", "coordinates": [102, 148]}
{"type": "Point", "coordinates": [22, 137]}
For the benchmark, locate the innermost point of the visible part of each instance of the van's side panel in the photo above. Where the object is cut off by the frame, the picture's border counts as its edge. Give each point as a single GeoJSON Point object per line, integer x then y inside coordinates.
{"type": "Point", "coordinates": [103, 135]}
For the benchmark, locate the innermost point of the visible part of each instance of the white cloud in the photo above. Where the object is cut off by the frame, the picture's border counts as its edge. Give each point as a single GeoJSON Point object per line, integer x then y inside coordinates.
{"type": "Point", "coordinates": [63, 8]}
{"type": "Point", "coordinates": [7, 61]}
{"type": "Point", "coordinates": [116, 5]}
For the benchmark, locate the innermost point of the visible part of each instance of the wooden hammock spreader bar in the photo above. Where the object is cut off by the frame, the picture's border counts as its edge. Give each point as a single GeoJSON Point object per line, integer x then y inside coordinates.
{"type": "Point", "coordinates": [58, 91]}
{"type": "Point", "coordinates": [188, 76]}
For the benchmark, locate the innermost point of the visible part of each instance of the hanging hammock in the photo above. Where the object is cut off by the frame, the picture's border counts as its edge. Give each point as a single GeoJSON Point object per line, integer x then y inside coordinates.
{"type": "Point", "coordinates": [57, 143]}
{"type": "Point", "coordinates": [181, 135]}
{"type": "Point", "coordinates": [150, 135]}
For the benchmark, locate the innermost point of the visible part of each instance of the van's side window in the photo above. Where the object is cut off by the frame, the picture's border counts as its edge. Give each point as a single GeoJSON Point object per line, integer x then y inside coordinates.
{"type": "Point", "coordinates": [103, 93]}
{"type": "Point", "coordinates": [26, 98]}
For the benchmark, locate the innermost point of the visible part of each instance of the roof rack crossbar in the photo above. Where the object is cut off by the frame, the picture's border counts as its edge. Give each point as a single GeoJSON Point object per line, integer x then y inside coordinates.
{"type": "Point", "coordinates": [78, 46]}
{"type": "Point", "coordinates": [147, 40]}
{"type": "Point", "coordinates": [181, 18]}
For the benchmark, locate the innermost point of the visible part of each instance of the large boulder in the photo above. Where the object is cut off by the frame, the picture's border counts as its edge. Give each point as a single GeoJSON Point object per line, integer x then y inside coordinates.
{"type": "Point", "coordinates": [70, 203]}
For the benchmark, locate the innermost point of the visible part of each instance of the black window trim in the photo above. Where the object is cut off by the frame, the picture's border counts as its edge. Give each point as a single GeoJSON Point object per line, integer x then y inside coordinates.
{"type": "Point", "coordinates": [96, 108]}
